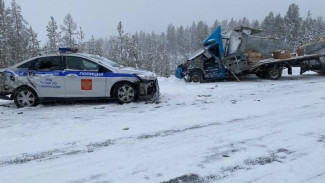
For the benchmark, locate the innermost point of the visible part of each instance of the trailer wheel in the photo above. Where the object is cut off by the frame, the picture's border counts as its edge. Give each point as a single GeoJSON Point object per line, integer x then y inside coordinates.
{"type": "Point", "coordinates": [275, 73]}
{"type": "Point", "coordinates": [196, 77]}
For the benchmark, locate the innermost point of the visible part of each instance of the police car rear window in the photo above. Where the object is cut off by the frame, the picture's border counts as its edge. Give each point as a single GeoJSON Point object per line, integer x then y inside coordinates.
{"type": "Point", "coordinates": [26, 65]}
{"type": "Point", "coordinates": [51, 63]}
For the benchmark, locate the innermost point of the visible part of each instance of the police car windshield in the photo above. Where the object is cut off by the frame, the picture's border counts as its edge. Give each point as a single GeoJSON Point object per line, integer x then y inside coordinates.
{"type": "Point", "coordinates": [105, 61]}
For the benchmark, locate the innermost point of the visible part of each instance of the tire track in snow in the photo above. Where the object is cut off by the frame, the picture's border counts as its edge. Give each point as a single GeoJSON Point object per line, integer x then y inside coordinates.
{"type": "Point", "coordinates": [277, 156]}
{"type": "Point", "coordinates": [92, 147]}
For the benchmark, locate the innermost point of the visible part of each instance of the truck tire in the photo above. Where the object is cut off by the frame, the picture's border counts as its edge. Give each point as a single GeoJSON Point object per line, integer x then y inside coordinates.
{"type": "Point", "coordinates": [25, 97]}
{"type": "Point", "coordinates": [274, 73]}
{"type": "Point", "coordinates": [196, 77]}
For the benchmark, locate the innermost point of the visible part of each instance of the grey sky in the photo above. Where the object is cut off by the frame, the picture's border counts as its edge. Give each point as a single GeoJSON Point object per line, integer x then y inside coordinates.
{"type": "Point", "coordinates": [100, 17]}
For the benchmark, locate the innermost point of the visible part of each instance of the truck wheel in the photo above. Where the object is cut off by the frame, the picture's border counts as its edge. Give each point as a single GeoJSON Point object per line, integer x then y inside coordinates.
{"type": "Point", "coordinates": [196, 77]}
{"type": "Point", "coordinates": [25, 97]}
{"type": "Point", "coordinates": [274, 73]}
{"type": "Point", "coordinates": [125, 93]}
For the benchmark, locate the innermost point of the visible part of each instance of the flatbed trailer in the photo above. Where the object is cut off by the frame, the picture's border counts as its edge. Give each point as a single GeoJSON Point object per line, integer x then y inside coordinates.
{"type": "Point", "coordinates": [272, 68]}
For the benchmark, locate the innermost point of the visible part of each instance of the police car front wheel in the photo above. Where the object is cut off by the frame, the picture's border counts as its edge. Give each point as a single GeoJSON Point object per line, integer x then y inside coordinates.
{"type": "Point", "coordinates": [125, 93]}
{"type": "Point", "coordinates": [25, 97]}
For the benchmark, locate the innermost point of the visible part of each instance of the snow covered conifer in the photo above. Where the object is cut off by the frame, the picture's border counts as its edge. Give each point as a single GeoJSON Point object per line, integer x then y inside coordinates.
{"type": "Point", "coordinates": [268, 24]}
{"type": "Point", "coordinates": [4, 35]}
{"type": "Point", "coordinates": [33, 48]}
{"type": "Point", "coordinates": [18, 34]}
{"type": "Point", "coordinates": [69, 30]}
{"type": "Point", "coordinates": [53, 35]}
{"type": "Point", "coordinates": [292, 22]}
{"type": "Point", "coordinates": [81, 37]}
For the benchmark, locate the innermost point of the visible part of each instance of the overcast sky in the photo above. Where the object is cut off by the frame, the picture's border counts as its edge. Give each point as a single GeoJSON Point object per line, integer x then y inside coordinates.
{"type": "Point", "coordinates": [100, 17]}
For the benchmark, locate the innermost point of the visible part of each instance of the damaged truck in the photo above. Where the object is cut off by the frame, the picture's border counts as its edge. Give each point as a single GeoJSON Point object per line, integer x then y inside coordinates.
{"type": "Point", "coordinates": [241, 52]}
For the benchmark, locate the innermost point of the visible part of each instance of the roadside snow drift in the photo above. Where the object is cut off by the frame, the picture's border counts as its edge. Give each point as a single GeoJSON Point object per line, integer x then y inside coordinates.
{"type": "Point", "coordinates": [249, 131]}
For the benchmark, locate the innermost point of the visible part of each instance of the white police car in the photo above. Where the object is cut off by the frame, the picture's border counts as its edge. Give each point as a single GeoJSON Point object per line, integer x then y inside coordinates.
{"type": "Point", "coordinates": [71, 75]}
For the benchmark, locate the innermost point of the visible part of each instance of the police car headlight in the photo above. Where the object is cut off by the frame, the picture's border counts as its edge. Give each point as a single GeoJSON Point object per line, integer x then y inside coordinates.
{"type": "Point", "coordinates": [147, 76]}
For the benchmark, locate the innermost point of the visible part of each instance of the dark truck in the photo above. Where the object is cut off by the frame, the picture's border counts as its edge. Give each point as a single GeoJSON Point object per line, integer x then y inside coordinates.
{"type": "Point", "coordinates": [240, 52]}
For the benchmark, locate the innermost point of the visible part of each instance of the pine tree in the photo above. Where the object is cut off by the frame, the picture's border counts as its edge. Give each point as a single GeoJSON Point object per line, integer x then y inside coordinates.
{"type": "Point", "coordinates": [202, 32]}
{"type": "Point", "coordinates": [81, 37]}
{"type": "Point", "coordinates": [120, 38]}
{"type": "Point", "coordinates": [171, 40]}
{"type": "Point", "coordinates": [279, 27]}
{"type": "Point", "coordinates": [193, 37]}
{"type": "Point", "coordinates": [163, 62]}
{"type": "Point", "coordinates": [232, 24]}
{"type": "Point", "coordinates": [268, 24]}
{"type": "Point", "coordinates": [244, 22]}
{"type": "Point", "coordinates": [91, 45]}
{"type": "Point", "coordinates": [255, 24]}
{"type": "Point", "coordinates": [113, 53]}
{"type": "Point", "coordinates": [53, 35]}
{"type": "Point", "coordinates": [181, 42]}
{"type": "Point", "coordinates": [33, 44]}
{"type": "Point", "coordinates": [292, 22]}
{"type": "Point", "coordinates": [215, 26]}
{"type": "Point", "coordinates": [307, 30]}
{"type": "Point", "coordinates": [134, 52]}
{"type": "Point", "coordinates": [69, 29]}
{"type": "Point", "coordinates": [3, 35]}
{"type": "Point", "coordinates": [99, 47]}
{"type": "Point", "coordinates": [18, 34]}
{"type": "Point", "coordinates": [320, 28]}
{"type": "Point", "coordinates": [122, 44]}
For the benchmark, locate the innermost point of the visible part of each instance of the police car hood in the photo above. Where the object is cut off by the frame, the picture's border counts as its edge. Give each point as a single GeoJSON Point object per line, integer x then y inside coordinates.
{"type": "Point", "coordinates": [144, 74]}
{"type": "Point", "coordinates": [2, 70]}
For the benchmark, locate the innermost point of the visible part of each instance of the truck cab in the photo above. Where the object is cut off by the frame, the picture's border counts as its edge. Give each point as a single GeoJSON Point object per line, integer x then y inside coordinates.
{"type": "Point", "coordinates": [229, 54]}
{"type": "Point", "coordinates": [205, 63]}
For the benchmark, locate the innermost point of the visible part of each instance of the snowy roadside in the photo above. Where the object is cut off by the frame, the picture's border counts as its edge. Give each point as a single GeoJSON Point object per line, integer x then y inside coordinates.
{"type": "Point", "coordinates": [254, 130]}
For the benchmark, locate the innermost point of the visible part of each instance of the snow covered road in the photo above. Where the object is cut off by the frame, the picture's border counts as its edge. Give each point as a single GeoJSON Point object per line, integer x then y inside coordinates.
{"type": "Point", "coordinates": [252, 131]}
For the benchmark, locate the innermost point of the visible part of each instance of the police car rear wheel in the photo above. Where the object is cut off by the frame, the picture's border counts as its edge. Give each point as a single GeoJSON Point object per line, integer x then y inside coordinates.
{"type": "Point", "coordinates": [125, 93]}
{"type": "Point", "coordinates": [25, 97]}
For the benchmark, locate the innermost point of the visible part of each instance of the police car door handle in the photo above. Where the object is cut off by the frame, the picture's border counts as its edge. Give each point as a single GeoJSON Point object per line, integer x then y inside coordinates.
{"type": "Point", "coordinates": [72, 75]}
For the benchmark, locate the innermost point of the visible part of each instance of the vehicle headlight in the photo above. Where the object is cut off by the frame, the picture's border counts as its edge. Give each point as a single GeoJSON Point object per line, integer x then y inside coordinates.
{"type": "Point", "coordinates": [151, 76]}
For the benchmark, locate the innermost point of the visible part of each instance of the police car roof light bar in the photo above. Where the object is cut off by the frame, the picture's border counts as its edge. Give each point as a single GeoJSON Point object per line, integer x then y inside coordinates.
{"type": "Point", "coordinates": [68, 50]}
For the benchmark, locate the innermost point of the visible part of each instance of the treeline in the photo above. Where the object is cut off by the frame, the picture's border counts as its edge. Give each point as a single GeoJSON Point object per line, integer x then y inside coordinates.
{"type": "Point", "coordinates": [18, 40]}
{"type": "Point", "coordinates": [157, 52]}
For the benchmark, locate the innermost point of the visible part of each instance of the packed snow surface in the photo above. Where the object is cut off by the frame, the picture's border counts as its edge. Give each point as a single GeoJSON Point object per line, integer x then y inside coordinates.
{"type": "Point", "coordinates": [250, 131]}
